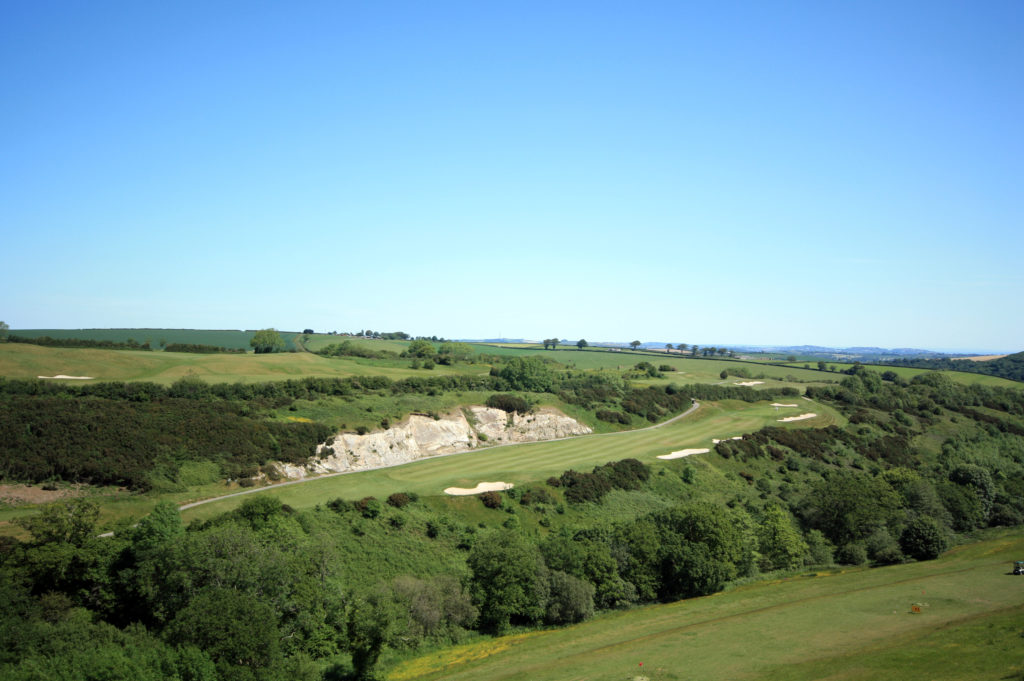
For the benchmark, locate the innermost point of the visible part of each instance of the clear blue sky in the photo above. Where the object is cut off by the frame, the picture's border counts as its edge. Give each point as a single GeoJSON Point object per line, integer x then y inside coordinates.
{"type": "Point", "coordinates": [711, 173]}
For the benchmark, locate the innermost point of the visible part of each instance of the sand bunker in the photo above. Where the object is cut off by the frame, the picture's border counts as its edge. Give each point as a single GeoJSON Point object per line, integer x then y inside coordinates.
{"type": "Point", "coordinates": [750, 383]}
{"type": "Point", "coordinates": [738, 437]}
{"type": "Point", "coordinates": [799, 418]}
{"type": "Point", "coordinates": [75, 378]}
{"type": "Point", "coordinates": [480, 487]}
{"type": "Point", "coordinates": [776, 404]}
{"type": "Point", "coordinates": [684, 452]}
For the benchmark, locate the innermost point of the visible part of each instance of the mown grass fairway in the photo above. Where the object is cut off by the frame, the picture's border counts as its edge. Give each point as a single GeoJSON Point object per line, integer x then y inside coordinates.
{"type": "Point", "coordinates": [532, 462]}
{"type": "Point", "coordinates": [852, 624]}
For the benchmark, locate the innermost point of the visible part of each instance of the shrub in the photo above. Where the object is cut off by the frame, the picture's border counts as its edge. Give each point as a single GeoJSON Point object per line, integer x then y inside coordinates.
{"type": "Point", "coordinates": [370, 507]}
{"type": "Point", "coordinates": [508, 403]}
{"type": "Point", "coordinates": [491, 499]}
{"type": "Point", "coordinates": [611, 416]}
{"type": "Point", "coordinates": [536, 495]}
{"type": "Point", "coordinates": [399, 499]}
{"type": "Point", "coordinates": [339, 505]}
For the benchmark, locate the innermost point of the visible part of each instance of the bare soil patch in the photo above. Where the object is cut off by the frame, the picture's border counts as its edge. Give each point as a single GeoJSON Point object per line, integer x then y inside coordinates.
{"type": "Point", "coordinates": [17, 495]}
{"type": "Point", "coordinates": [981, 358]}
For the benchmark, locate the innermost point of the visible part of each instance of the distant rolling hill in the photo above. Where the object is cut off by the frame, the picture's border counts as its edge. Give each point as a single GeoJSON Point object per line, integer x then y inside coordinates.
{"type": "Point", "coordinates": [1010, 366]}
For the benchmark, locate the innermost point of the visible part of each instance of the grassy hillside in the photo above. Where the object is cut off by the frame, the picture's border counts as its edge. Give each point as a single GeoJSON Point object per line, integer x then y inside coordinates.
{"type": "Point", "coordinates": [329, 574]}
{"type": "Point", "coordinates": [535, 462]}
{"type": "Point", "coordinates": [852, 624]}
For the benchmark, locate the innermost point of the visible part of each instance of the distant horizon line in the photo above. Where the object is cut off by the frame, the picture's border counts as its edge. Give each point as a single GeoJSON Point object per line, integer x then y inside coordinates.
{"type": "Point", "coordinates": [732, 346]}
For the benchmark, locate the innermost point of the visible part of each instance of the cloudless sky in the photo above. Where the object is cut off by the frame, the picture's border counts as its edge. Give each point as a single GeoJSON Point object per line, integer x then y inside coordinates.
{"type": "Point", "coordinates": [714, 173]}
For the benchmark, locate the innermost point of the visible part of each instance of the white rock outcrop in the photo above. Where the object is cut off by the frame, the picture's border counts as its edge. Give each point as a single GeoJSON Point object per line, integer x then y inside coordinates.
{"type": "Point", "coordinates": [420, 437]}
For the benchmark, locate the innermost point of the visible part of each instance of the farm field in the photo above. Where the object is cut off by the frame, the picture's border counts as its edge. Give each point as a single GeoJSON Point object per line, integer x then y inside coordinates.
{"type": "Point", "coordinates": [319, 341]}
{"type": "Point", "coordinates": [535, 462]}
{"type": "Point", "coordinates": [227, 338]}
{"type": "Point", "coordinates": [25, 361]}
{"type": "Point", "coordinates": [907, 373]}
{"type": "Point", "coordinates": [851, 624]}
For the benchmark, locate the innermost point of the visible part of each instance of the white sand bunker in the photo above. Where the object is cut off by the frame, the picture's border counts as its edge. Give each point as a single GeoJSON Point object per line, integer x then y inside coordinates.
{"type": "Point", "coordinates": [480, 487]}
{"type": "Point", "coordinates": [750, 383]}
{"type": "Point", "coordinates": [75, 378]}
{"type": "Point", "coordinates": [799, 418]}
{"type": "Point", "coordinates": [684, 452]}
{"type": "Point", "coordinates": [776, 404]}
{"type": "Point", "coordinates": [738, 437]}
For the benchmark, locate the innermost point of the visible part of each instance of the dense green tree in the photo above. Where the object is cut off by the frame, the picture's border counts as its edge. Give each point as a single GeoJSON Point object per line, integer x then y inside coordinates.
{"type": "Point", "coordinates": [581, 343]}
{"type": "Point", "coordinates": [267, 340]}
{"type": "Point", "coordinates": [819, 549]}
{"type": "Point", "coordinates": [437, 608]}
{"type": "Point", "coordinates": [373, 622]}
{"type": "Point", "coordinates": [634, 344]}
{"type": "Point", "coordinates": [689, 570]}
{"type": "Point", "coordinates": [162, 525]}
{"type": "Point", "coordinates": [237, 630]}
{"type": "Point", "coordinates": [778, 540]}
{"type": "Point", "coordinates": [72, 522]}
{"type": "Point", "coordinates": [4, 328]}
{"type": "Point", "coordinates": [849, 506]}
{"type": "Point", "coordinates": [528, 373]}
{"type": "Point", "coordinates": [571, 599]}
{"type": "Point", "coordinates": [420, 348]}
{"type": "Point", "coordinates": [923, 538]}
{"type": "Point", "coordinates": [455, 352]}
{"type": "Point", "coordinates": [509, 580]}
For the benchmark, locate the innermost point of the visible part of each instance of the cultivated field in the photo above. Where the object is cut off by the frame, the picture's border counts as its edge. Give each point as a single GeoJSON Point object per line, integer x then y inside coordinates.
{"type": "Point", "coordinates": [907, 373]}
{"type": "Point", "coordinates": [24, 361]}
{"type": "Point", "coordinates": [228, 338]}
{"type": "Point", "coordinates": [854, 624]}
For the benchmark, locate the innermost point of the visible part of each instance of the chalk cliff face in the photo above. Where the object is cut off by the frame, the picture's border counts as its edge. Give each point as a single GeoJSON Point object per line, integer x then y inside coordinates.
{"type": "Point", "coordinates": [420, 437]}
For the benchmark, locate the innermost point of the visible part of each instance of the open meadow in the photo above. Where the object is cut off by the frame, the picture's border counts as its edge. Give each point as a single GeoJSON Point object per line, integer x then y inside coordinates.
{"type": "Point", "coordinates": [854, 624]}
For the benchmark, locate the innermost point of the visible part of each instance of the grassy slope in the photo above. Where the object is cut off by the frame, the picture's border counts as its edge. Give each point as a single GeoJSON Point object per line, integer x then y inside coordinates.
{"type": "Point", "coordinates": [851, 624]}
{"type": "Point", "coordinates": [524, 463]}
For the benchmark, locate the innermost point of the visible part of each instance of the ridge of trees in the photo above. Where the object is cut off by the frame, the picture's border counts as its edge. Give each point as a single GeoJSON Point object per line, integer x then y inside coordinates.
{"type": "Point", "coordinates": [49, 342]}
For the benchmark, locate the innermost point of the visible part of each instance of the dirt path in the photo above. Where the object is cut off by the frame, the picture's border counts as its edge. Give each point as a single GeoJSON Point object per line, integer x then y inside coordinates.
{"type": "Point", "coordinates": [254, 490]}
